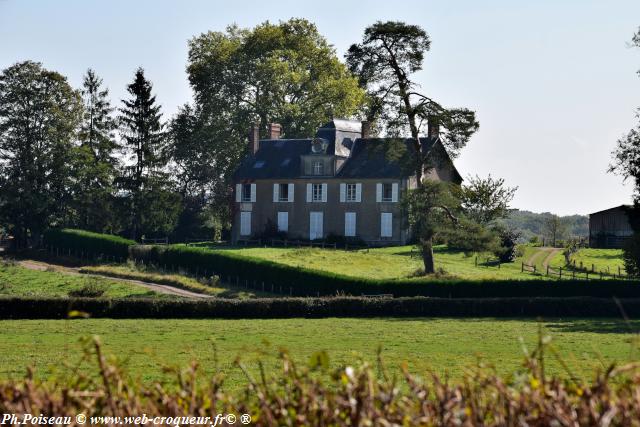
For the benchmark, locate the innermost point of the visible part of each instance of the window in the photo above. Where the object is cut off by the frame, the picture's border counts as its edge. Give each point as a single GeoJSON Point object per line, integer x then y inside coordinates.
{"type": "Point", "coordinates": [283, 193]}
{"type": "Point", "coordinates": [318, 168]}
{"type": "Point", "coordinates": [245, 223]}
{"type": "Point", "coordinates": [386, 224]}
{"type": "Point", "coordinates": [351, 193]}
{"type": "Point", "coordinates": [349, 224]}
{"type": "Point", "coordinates": [317, 193]}
{"type": "Point", "coordinates": [246, 193]}
{"type": "Point", "coordinates": [387, 192]}
{"type": "Point", "coordinates": [283, 221]}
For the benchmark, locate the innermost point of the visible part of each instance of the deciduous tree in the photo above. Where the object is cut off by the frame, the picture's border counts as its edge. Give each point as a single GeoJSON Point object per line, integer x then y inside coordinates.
{"type": "Point", "coordinates": [39, 115]}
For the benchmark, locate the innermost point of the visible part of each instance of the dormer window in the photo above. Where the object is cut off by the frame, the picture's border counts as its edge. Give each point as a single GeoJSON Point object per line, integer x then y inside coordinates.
{"type": "Point", "coordinates": [318, 167]}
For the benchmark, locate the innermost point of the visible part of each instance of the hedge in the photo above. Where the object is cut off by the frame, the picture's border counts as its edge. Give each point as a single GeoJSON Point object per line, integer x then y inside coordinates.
{"type": "Point", "coordinates": [274, 308]}
{"type": "Point", "coordinates": [299, 281]}
{"type": "Point", "coordinates": [81, 242]}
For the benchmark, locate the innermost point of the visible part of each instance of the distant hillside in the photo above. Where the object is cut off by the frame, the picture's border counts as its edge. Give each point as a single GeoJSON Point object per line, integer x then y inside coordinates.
{"type": "Point", "coordinates": [532, 224]}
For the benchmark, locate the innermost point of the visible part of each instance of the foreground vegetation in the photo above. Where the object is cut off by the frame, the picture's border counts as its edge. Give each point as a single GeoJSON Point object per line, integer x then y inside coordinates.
{"type": "Point", "coordinates": [358, 393]}
{"type": "Point", "coordinates": [445, 345]}
{"type": "Point", "coordinates": [19, 281]}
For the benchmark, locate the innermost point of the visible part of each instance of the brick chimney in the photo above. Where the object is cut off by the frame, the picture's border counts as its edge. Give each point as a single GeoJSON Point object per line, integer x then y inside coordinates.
{"type": "Point", "coordinates": [254, 138]}
{"type": "Point", "coordinates": [275, 130]}
{"type": "Point", "coordinates": [433, 127]}
{"type": "Point", "coordinates": [366, 129]}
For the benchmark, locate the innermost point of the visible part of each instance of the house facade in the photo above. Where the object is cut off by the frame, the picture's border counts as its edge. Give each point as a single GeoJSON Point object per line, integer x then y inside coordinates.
{"type": "Point", "coordinates": [340, 182]}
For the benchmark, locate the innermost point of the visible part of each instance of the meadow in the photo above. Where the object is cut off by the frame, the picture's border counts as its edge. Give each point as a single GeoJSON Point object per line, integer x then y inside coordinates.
{"type": "Point", "coordinates": [388, 263]}
{"type": "Point", "coordinates": [446, 346]}
{"type": "Point", "coordinates": [18, 281]}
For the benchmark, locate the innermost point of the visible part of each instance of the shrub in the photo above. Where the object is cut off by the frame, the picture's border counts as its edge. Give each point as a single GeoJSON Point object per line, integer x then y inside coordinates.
{"type": "Point", "coordinates": [88, 243]}
{"type": "Point", "coordinates": [300, 281]}
{"type": "Point", "coordinates": [93, 289]}
{"type": "Point", "coordinates": [281, 308]}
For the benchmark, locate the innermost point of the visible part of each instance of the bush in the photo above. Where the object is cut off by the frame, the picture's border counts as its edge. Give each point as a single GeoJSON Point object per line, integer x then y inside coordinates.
{"type": "Point", "coordinates": [93, 289]}
{"type": "Point", "coordinates": [84, 242]}
{"type": "Point", "coordinates": [300, 281]}
{"type": "Point", "coordinates": [282, 308]}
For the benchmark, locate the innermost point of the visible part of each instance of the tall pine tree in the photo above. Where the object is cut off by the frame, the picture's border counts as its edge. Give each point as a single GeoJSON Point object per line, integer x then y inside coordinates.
{"type": "Point", "coordinates": [95, 169]}
{"type": "Point", "coordinates": [151, 205]}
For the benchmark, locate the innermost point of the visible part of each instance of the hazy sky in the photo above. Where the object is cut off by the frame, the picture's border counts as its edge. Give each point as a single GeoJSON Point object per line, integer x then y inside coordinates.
{"type": "Point", "coordinates": [553, 82]}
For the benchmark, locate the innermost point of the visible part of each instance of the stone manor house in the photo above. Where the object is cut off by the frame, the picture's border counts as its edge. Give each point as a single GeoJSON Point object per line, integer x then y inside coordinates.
{"type": "Point", "coordinates": [339, 182]}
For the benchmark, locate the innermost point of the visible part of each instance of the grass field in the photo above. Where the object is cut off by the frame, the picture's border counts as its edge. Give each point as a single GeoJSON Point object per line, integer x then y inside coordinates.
{"type": "Point", "coordinates": [602, 260]}
{"type": "Point", "coordinates": [19, 281]}
{"type": "Point", "coordinates": [386, 263]}
{"type": "Point", "coordinates": [445, 345]}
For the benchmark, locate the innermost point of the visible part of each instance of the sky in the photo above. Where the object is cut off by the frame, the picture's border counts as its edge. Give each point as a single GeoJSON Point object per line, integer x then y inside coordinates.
{"type": "Point", "coordinates": [553, 82]}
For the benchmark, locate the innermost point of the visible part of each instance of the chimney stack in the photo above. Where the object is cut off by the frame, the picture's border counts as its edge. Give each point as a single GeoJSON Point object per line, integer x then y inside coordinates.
{"type": "Point", "coordinates": [275, 130]}
{"type": "Point", "coordinates": [433, 127]}
{"type": "Point", "coordinates": [365, 129]}
{"type": "Point", "coordinates": [254, 138]}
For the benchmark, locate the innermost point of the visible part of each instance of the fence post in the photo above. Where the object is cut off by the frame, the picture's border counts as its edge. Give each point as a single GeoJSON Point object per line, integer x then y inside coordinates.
{"type": "Point", "coordinates": [547, 269]}
{"type": "Point", "coordinates": [476, 258]}
{"type": "Point", "coordinates": [521, 268]}
{"type": "Point", "coordinates": [619, 274]}
{"type": "Point", "coordinates": [593, 268]}
{"type": "Point", "coordinates": [573, 276]}
{"type": "Point", "coordinates": [534, 269]}
{"type": "Point", "coordinates": [560, 273]}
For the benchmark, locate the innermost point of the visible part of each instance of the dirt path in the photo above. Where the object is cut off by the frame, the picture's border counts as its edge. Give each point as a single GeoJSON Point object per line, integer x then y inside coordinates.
{"type": "Point", "coordinates": [545, 254]}
{"type": "Point", "coordinates": [157, 287]}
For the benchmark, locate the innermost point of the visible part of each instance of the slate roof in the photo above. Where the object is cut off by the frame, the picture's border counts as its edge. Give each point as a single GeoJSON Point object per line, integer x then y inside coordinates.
{"type": "Point", "coordinates": [270, 161]}
{"type": "Point", "coordinates": [367, 158]}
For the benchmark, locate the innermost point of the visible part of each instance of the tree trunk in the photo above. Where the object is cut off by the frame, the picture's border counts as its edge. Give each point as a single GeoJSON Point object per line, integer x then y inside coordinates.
{"type": "Point", "coordinates": [427, 255]}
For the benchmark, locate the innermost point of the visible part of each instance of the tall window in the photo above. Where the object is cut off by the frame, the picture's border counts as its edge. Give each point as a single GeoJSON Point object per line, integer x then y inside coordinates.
{"type": "Point", "coordinates": [318, 168]}
{"type": "Point", "coordinates": [317, 192]}
{"type": "Point", "coordinates": [283, 193]}
{"type": "Point", "coordinates": [387, 192]}
{"type": "Point", "coordinates": [352, 195]}
{"type": "Point", "coordinates": [246, 192]}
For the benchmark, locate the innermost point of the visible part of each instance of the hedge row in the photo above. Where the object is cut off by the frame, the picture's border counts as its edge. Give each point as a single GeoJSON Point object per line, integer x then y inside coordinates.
{"type": "Point", "coordinates": [88, 243]}
{"type": "Point", "coordinates": [299, 281]}
{"type": "Point", "coordinates": [51, 308]}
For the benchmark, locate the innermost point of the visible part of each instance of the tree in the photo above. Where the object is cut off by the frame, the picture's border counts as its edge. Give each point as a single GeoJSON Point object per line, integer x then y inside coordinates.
{"type": "Point", "coordinates": [626, 162]}
{"type": "Point", "coordinates": [39, 114]}
{"type": "Point", "coordinates": [486, 200]}
{"type": "Point", "coordinates": [151, 206]}
{"type": "Point", "coordinates": [554, 228]}
{"type": "Point", "coordinates": [385, 61]}
{"type": "Point", "coordinates": [285, 73]}
{"type": "Point", "coordinates": [95, 169]}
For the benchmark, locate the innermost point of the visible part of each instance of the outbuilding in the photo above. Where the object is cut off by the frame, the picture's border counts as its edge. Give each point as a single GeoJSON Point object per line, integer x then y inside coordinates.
{"type": "Point", "coordinates": [609, 228]}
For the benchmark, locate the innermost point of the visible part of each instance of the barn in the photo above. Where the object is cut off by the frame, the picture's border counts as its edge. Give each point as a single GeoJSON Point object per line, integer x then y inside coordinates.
{"type": "Point", "coordinates": [609, 228]}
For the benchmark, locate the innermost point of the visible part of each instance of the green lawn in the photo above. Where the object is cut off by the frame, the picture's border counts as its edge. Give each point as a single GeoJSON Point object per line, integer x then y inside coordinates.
{"type": "Point", "coordinates": [603, 260]}
{"type": "Point", "coordinates": [386, 263]}
{"type": "Point", "coordinates": [445, 345]}
{"type": "Point", "coordinates": [19, 281]}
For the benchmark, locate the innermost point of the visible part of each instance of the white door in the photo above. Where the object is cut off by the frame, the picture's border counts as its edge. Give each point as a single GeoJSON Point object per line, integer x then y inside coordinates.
{"type": "Point", "coordinates": [283, 221]}
{"type": "Point", "coordinates": [245, 223]}
{"type": "Point", "coordinates": [349, 224]}
{"type": "Point", "coordinates": [315, 225]}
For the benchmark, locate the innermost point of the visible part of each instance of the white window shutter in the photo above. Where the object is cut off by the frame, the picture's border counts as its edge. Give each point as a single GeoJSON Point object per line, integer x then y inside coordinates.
{"type": "Point", "coordinates": [309, 193]}
{"type": "Point", "coordinates": [324, 192]}
{"type": "Point", "coordinates": [253, 193]}
{"type": "Point", "coordinates": [291, 189]}
{"type": "Point", "coordinates": [378, 192]}
{"type": "Point", "coordinates": [343, 192]}
{"type": "Point", "coordinates": [386, 226]}
{"type": "Point", "coordinates": [394, 192]}
{"type": "Point", "coordinates": [283, 221]}
{"type": "Point", "coordinates": [276, 191]}
{"type": "Point", "coordinates": [358, 193]}
{"type": "Point", "coordinates": [238, 193]}
{"type": "Point", "coordinates": [349, 224]}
